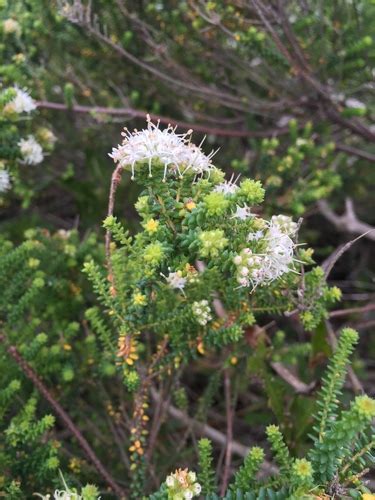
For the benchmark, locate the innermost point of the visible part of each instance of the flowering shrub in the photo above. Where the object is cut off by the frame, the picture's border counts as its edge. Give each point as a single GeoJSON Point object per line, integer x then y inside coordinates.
{"type": "Point", "coordinates": [19, 150]}
{"type": "Point", "coordinates": [186, 360]}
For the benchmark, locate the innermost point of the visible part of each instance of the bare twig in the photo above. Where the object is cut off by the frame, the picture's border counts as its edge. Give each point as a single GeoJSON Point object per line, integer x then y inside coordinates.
{"type": "Point", "coordinates": [348, 222]}
{"type": "Point", "coordinates": [350, 150]}
{"type": "Point", "coordinates": [115, 181]}
{"type": "Point", "coordinates": [289, 377]}
{"type": "Point", "coordinates": [136, 113]}
{"type": "Point", "coordinates": [329, 263]}
{"type": "Point", "coordinates": [208, 431]}
{"type": "Point", "coordinates": [229, 436]}
{"type": "Point", "coordinates": [352, 310]}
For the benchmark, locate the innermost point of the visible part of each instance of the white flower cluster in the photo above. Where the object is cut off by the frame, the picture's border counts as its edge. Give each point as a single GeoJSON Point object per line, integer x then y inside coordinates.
{"type": "Point", "coordinates": [22, 102]}
{"type": "Point", "coordinates": [202, 312]}
{"type": "Point", "coordinates": [183, 485]}
{"type": "Point", "coordinates": [31, 150]}
{"type": "Point", "coordinates": [174, 151]}
{"type": "Point", "coordinates": [274, 258]}
{"type": "Point", "coordinates": [285, 223]}
{"type": "Point", "coordinates": [4, 181]}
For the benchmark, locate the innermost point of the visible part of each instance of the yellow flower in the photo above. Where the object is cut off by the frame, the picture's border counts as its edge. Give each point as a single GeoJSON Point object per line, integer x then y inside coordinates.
{"type": "Point", "coordinates": [151, 226]}
{"type": "Point", "coordinates": [365, 406]}
{"type": "Point", "coordinates": [190, 205]}
{"type": "Point", "coordinates": [368, 496]}
{"type": "Point", "coordinates": [139, 299]}
{"type": "Point", "coordinates": [302, 468]}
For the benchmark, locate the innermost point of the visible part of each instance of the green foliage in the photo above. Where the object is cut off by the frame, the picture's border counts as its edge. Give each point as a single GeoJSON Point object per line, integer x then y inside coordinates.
{"type": "Point", "coordinates": [335, 460]}
{"type": "Point", "coordinates": [206, 475]}
{"type": "Point", "coordinates": [245, 477]}
{"type": "Point", "coordinates": [279, 449]}
{"type": "Point", "coordinates": [332, 383]}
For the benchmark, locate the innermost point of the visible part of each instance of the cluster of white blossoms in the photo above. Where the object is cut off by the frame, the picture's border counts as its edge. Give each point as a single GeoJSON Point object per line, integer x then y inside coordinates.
{"type": "Point", "coordinates": [22, 102]}
{"type": "Point", "coordinates": [174, 151]}
{"type": "Point", "coordinates": [201, 311]}
{"type": "Point", "coordinates": [31, 150]}
{"type": "Point", "coordinates": [4, 181]}
{"type": "Point", "coordinates": [182, 485]}
{"type": "Point", "coordinates": [275, 256]}
{"type": "Point", "coordinates": [285, 223]}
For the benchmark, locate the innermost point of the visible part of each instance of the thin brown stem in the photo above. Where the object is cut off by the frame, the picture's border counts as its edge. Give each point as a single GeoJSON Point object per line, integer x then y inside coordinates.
{"type": "Point", "coordinates": [136, 113]}
{"type": "Point", "coordinates": [115, 181]}
{"type": "Point", "coordinates": [352, 310]}
{"type": "Point", "coordinates": [229, 441]}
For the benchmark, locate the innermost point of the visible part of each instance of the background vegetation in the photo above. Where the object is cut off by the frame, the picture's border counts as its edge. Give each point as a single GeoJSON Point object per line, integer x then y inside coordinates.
{"type": "Point", "coordinates": [284, 90]}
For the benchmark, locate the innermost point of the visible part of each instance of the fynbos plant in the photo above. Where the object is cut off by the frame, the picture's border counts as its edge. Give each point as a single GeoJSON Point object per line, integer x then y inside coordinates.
{"type": "Point", "coordinates": [201, 269]}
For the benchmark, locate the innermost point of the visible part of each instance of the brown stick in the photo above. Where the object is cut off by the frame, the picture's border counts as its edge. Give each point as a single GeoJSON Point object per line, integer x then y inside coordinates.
{"type": "Point", "coordinates": [197, 127]}
{"type": "Point", "coordinates": [115, 181]}
{"type": "Point", "coordinates": [353, 310]}
{"type": "Point", "coordinates": [208, 431]}
{"type": "Point", "coordinates": [229, 441]}
{"type": "Point", "coordinates": [135, 113]}
{"type": "Point", "coordinates": [348, 221]}
{"type": "Point", "coordinates": [289, 377]}
{"type": "Point", "coordinates": [59, 410]}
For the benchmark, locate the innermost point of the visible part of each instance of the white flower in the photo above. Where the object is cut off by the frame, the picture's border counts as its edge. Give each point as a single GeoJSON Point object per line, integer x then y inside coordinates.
{"type": "Point", "coordinates": [4, 181]}
{"type": "Point", "coordinates": [280, 254]}
{"type": "Point", "coordinates": [192, 476]}
{"type": "Point", "coordinates": [227, 187]}
{"type": "Point", "coordinates": [242, 213]}
{"type": "Point", "coordinates": [22, 102]}
{"type": "Point", "coordinates": [31, 150]}
{"type": "Point", "coordinates": [197, 488]}
{"type": "Point", "coordinates": [285, 224]}
{"type": "Point", "coordinates": [175, 280]}
{"type": "Point", "coordinates": [174, 151]}
{"type": "Point", "coordinates": [237, 259]}
{"type": "Point", "coordinates": [255, 236]}
{"type": "Point", "coordinates": [170, 481]}
{"type": "Point", "coordinates": [66, 495]}
{"type": "Point", "coordinates": [275, 255]}
{"type": "Point", "coordinates": [355, 103]}
{"type": "Point", "coordinates": [182, 486]}
{"type": "Point", "coordinates": [11, 26]}
{"type": "Point", "coordinates": [202, 312]}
